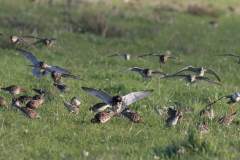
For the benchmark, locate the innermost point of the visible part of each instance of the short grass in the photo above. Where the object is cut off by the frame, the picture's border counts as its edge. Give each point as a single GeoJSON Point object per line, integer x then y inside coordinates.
{"type": "Point", "coordinates": [145, 27]}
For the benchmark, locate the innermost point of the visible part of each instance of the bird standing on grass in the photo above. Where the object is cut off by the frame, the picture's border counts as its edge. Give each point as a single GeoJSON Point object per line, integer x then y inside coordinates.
{"type": "Point", "coordinates": [3, 102]}
{"type": "Point", "coordinates": [14, 89]}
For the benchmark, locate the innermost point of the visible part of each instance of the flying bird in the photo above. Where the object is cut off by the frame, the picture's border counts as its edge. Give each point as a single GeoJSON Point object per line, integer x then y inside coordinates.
{"type": "Point", "coordinates": [192, 78]}
{"type": "Point", "coordinates": [145, 73]}
{"type": "Point", "coordinates": [127, 56]}
{"type": "Point", "coordinates": [199, 71]}
{"type": "Point", "coordinates": [233, 99]}
{"type": "Point", "coordinates": [117, 103]}
{"type": "Point", "coordinates": [48, 42]}
{"type": "Point", "coordinates": [16, 40]}
{"type": "Point", "coordinates": [163, 58]}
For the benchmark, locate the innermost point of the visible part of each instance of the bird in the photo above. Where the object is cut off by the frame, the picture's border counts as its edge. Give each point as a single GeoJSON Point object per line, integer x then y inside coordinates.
{"type": "Point", "coordinates": [28, 112]}
{"type": "Point", "coordinates": [71, 107]}
{"type": "Point", "coordinates": [76, 101]}
{"type": "Point", "coordinates": [199, 71]}
{"type": "Point", "coordinates": [16, 40]}
{"type": "Point", "coordinates": [214, 23]}
{"type": "Point", "coordinates": [62, 87]}
{"type": "Point", "coordinates": [25, 99]}
{"type": "Point", "coordinates": [16, 102]}
{"type": "Point", "coordinates": [228, 119]}
{"type": "Point", "coordinates": [47, 42]}
{"type": "Point", "coordinates": [14, 89]}
{"type": "Point", "coordinates": [36, 97]}
{"type": "Point", "coordinates": [204, 128]}
{"type": "Point", "coordinates": [131, 116]}
{"type": "Point", "coordinates": [208, 113]}
{"type": "Point", "coordinates": [233, 99]}
{"type": "Point", "coordinates": [160, 111]}
{"type": "Point", "coordinates": [45, 92]}
{"type": "Point", "coordinates": [99, 107]}
{"type": "Point", "coordinates": [163, 58]}
{"type": "Point", "coordinates": [145, 73]}
{"type": "Point", "coordinates": [233, 55]}
{"type": "Point", "coordinates": [3, 102]}
{"type": "Point", "coordinates": [117, 103]}
{"type": "Point", "coordinates": [192, 78]}
{"type": "Point", "coordinates": [34, 103]}
{"type": "Point", "coordinates": [172, 112]}
{"type": "Point", "coordinates": [127, 56]}
{"type": "Point", "coordinates": [102, 117]}
{"type": "Point", "coordinates": [172, 121]}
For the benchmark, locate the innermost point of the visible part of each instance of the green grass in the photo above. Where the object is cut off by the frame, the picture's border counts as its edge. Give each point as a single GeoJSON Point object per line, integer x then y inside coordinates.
{"type": "Point", "coordinates": [147, 27]}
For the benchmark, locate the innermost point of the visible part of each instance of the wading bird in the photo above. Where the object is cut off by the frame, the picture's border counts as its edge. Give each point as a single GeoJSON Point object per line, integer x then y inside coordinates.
{"type": "Point", "coordinates": [14, 89]}
{"type": "Point", "coordinates": [102, 117]}
{"type": "Point", "coordinates": [228, 119]}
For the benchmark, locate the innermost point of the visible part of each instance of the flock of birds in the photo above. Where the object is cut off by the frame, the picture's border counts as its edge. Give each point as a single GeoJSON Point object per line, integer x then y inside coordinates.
{"type": "Point", "coordinates": [116, 104]}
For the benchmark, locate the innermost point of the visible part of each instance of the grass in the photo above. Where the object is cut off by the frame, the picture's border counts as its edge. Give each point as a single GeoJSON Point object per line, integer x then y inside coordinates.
{"type": "Point", "coordinates": [146, 27]}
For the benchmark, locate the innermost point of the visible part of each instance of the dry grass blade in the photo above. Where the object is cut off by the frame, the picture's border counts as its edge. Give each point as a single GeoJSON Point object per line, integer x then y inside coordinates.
{"type": "Point", "coordinates": [2, 128]}
{"type": "Point", "coordinates": [130, 129]}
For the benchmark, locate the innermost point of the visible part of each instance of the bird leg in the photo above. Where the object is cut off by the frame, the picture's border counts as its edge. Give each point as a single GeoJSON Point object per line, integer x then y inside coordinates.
{"type": "Point", "coordinates": [46, 47]}
{"type": "Point", "coordinates": [15, 47]}
{"type": "Point", "coordinates": [50, 48]}
{"type": "Point", "coordinates": [231, 108]}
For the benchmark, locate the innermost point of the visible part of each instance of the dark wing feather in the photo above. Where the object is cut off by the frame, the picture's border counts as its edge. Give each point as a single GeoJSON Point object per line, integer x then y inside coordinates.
{"type": "Point", "coordinates": [176, 75]}
{"type": "Point", "coordinates": [59, 47]}
{"type": "Point", "coordinates": [135, 69]}
{"type": "Point", "coordinates": [32, 37]}
{"type": "Point", "coordinates": [46, 69]}
{"type": "Point", "coordinates": [59, 40]}
{"type": "Point", "coordinates": [234, 55]}
{"type": "Point", "coordinates": [104, 96]}
{"type": "Point", "coordinates": [71, 76]}
{"type": "Point", "coordinates": [213, 73]}
{"type": "Point", "coordinates": [188, 68]}
{"type": "Point", "coordinates": [201, 78]}
{"type": "Point", "coordinates": [177, 59]}
{"type": "Point", "coordinates": [35, 44]}
{"type": "Point", "coordinates": [152, 54]}
{"type": "Point", "coordinates": [159, 72]}
{"type": "Point", "coordinates": [58, 69]}
{"type": "Point", "coordinates": [219, 100]}
{"type": "Point", "coordinates": [116, 55]}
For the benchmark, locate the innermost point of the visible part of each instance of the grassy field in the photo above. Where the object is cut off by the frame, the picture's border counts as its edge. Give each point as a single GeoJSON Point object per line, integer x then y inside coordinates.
{"type": "Point", "coordinates": [97, 29]}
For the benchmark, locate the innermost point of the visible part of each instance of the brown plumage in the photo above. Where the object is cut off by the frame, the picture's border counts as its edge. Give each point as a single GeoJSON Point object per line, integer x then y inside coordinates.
{"type": "Point", "coordinates": [28, 112]}
{"type": "Point", "coordinates": [131, 116]}
{"type": "Point", "coordinates": [228, 119]}
{"type": "Point", "coordinates": [204, 128]}
{"type": "Point", "coordinates": [24, 99]}
{"type": "Point", "coordinates": [71, 107]}
{"type": "Point", "coordinates": [14, 89]}
{"type": "Point", "coordinates": [160, 111]}
{"type": "Point", "coordinates": [45, 92]}
{"type": "Point", "coordinates": [3, 102]}
{"type": "Point", "coordinates": [16, 102]}
{"type": "Point", "coordinates": [102, 117]}
{"type": "Point", "coordinates": [62, 88]}
{"type": "Point", "coordinates": [34, 103]}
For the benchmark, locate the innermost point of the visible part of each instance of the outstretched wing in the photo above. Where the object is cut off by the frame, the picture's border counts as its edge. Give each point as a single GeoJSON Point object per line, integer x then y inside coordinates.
{"type": "Point", "coordinates": [58, 69]}
{"type": "Point", "coordinates": [31, 57]}
{"type": "Point", "coordinates": [152, 54]}
{"type": "Point", "coordinates": [188, 68]}
{"type": "Point", "coordinates": [46, 69]}
{"type": "Point", "coordinates": [213, 72]}
{"type": "Point", "coordinates": [116, 55]}
{"type": "Point", "coordinates": [104, 96]}
{"type": "Point", "coordinates": [234, 55]}
{"type": "Point", "coordinates": [135, 69]}
{"type": "Point", "coordinates": [35, 44]}
{"type": "Point", "coordinates": [177, 59]}
{"type": "Point", "coordinates": [138, 58]}
{"type": "Point", "coordinates": [59, 47]}
{"type": "Point", "coordinates": [160, 73]}
{"type": "Point", "coordinates": [32, 37]}
{"type": "Point", "coordinates": [5, 35]}
{"type": "Point", "coordinates": [219, 100]}
{"type": "Point", "coordinates": [201, 78]}
{"type": "Point", "coordinates": [176, 75]}
{"type": "Point", "coordinates": [59, 40]}
{"type": "Point", "coordinates": [71, 76]}
{"type": "Point", "coordinates": [134, 96]}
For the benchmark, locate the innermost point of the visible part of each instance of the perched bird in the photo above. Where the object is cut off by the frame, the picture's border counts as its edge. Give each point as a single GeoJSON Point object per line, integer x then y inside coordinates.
{"type": "Point", "coordinates": [145, 73]}
{"type": "Point", "coordinates": [131, 116]}
{"type": "Point", "coordinates": [16, 102]}
{"type": "Point", "coordinates": [192, 78]}
{"type": "Point", "coordinates": [34, 103]}
{"type": "Point", "coordinates": [24, 99]}
{"type": "Point", "coordinates": [160, 111]}
{"type": "Point", "coordinates": [99, 107]}
{"type": "Point", "coordinates": [228, 119]}
{"type": "Point", "coordinates": [47, 42]}
{"type": "Point", "coordinates": [3, 102]}
{"type": "Point", "coordinates": [234, 55]}
{"type": "Point", "coordinates": [76, 101]}
{"type": "Point", "coordinates": [16, 40]}
{"type": "Point", "coordinates": [62, 87]}
{"type": "Point", "coordinates": [199, 71]}
{"type": "Point", "coordinates": [163, 58]}
{"type": "Point", "coordinates": [117, 103]}
{"type": "Point", "coordinates": [44, 92]}
{"type": "Point", "coordinates": [126, 56]}
{"type": "Point", "coordinates": [233, 100]}
{"type": "Point", "coordinates": [14, 89]}
{"type": "Point", "coordinates": [38, 72]}
{"type": "Point", "coordinates": [102, 117]}
{"type": "Point", "coordinates": [71, 107]}
{"type": "Point", "coordinates": [28, 112]}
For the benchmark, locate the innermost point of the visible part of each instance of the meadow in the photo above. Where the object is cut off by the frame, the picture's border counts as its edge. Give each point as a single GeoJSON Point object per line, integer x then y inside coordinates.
{"type": "Point", "coordinates": [97, 29]}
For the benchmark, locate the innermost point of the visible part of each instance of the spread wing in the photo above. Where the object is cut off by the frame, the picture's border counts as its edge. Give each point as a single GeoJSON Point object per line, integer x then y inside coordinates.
{"type": "Point", "coordinates": [134, 96]}
{"type": "Point", "coordinates": [177, 59]}
{"type": "Point", "coordinates": [71, 76]}
{"type": "Point", "coordinates": [58, 46]}
{"type": "Point", "coordinates": [160, 73]}
{"type": "Point", "coordinates": [35, 44]}
{"type": "Point", "coordinates": [153, 54]}
{"type": "Point", "coordinates": [5, 35]}
{"type": "Point", "coordinates": [138, 58]}
{"type": "Point", "coordinates": [29, 56]}
{"type": "Point", "coordinates": [116, 55]}
{"type": "Point", "coordinates": [32, 37]}
{"type": "Point", "coordinates": [59, 40]}
{"type": "Point", "coordinates": [234, 55]}
{"type": "Point", "coordinates": [46, 69]}
{"type": "Point", "coordinates": [201, 78]}
{"type": "Point", "coordinates": [176, 75]}
{"type": "Point", "coordinates": [220, 99]}
{"type": "Point", "coordinates": [135, 69]}
{"type": "Point", "coordinates": [58, 69]}
{"type": "Point", "coordinates": [188, 68]}
{"type": "Point", "coordinates": [213, 73]}
{"type": "Point", "coordinates": [104, 96]}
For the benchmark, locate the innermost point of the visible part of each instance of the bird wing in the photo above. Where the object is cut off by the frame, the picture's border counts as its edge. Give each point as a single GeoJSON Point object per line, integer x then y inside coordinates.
{"type": "Point", "coordinates": [188, 68]}
{"type": "Point", "coordinates": [58, 46]}
{"type": "Point", "coordinates": [104, 96]}
{"type": "Point", "coordinates": [135, 69]}
{"type": "Point", "coordinates": [176, 75]}
{"type": "Point", "coordinates": [234, 55]}
{"type": "Point", "coordinates": [35, 44]}
{"type": "Point", "coordinates": [32, 46]}
{"type": "Point", "coordinates": [31, 57]}
{"type": "Point", "coordinates": [46, 69]}
{"type": "Point", "coordinates": [152, 54]}
{"type": "Point", "coordinates": [220, 99]}
{"type": "Point", "coordinates": [64, 75]}
{"type": "Point", "coordinates": [116, 55]}
{"type": "Point", "coordinates": [213, 72]}
{"type": "Point", "coordinates": [177, 59]}
{"type": "Point", "coordinates": [32, 37]}
{"type": "Point", "coordinates": [5, 35]}
{"type": "Point", "coordinates": [58, 69]}
{"type": "Point", "coordinates": [201, 78]}
{"type": "Point", "coordinates": [138, 58]}
{"type": "Point", "coordinates": [59, 40]}
{"type": "Point", "coordinates": [159, 72]}
{"type": "Point", "coordinates": [134, 96]}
